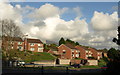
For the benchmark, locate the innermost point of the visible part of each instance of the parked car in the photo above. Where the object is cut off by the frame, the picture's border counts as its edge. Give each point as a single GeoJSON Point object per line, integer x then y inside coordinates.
{"type": "Point", "coordinates": [21, 63]}
{"type": "Point", "coordinates": [76, 65]}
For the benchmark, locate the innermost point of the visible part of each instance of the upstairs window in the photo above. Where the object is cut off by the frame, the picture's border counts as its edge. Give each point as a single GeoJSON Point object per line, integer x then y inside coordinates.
{"type": "Point", "coordinates": [32, 44]}
{"type": "Point", "coordinates": [64, 52]}
{"type": "Point", "coordinates": [19, 43]}
{"type": "Point", "coordinates": [39, 44]}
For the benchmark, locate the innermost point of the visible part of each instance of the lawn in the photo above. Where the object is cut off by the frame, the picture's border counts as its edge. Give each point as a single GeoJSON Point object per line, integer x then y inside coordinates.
{"type": "Point", "coordinates": [86, 66]}
{"type": "Point", "coordinates": [101, 62]}
{"type": "Point", "coordinates": [29, 56]}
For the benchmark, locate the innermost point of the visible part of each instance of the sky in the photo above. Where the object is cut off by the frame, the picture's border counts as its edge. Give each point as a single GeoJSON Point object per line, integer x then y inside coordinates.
{"type": "Point", "coordinates": [89, 23]}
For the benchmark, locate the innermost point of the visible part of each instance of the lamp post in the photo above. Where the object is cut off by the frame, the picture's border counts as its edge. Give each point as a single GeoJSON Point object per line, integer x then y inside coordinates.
{"type": "Point", "coordinates": [25, 43]}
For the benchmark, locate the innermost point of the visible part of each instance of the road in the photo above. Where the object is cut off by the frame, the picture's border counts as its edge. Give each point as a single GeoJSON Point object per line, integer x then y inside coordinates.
{"type": "Point", "coordinates": [37, 71]}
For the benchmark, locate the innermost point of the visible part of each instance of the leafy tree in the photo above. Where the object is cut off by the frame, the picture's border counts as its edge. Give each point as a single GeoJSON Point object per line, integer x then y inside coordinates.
{"type": "Point", "coordinates": [117, 40]}
{"type": "Point", "coordinates": [113, 54]}
{"type": "Point", "coordinates": [70, 41]}
{"type": "Point", "coordinates": [77, 43]}
{"type": "Point", "coordinates": [9, 30]}
{"type": "Point", "coordinates": [61, 41]}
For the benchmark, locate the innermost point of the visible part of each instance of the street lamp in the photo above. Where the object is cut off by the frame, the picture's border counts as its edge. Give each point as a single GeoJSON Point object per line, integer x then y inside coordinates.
{"type": "Point", "coordinates": [25, 42]}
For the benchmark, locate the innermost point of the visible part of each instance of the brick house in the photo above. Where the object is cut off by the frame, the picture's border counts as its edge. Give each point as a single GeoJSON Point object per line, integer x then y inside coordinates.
{"type": "Point", "coordinates": [85, 53]}
{"type": "Point", "coordinates": [34, 45]}
{"type": "Point", "coordinates": [68, 51]}
{"type": "Point", "coordinates": [14, 43]}
{"type": "Point", "coordinates": [97, 54]}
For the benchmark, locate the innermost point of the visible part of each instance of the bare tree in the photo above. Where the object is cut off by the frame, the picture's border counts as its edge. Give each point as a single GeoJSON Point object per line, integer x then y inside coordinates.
{"type": "Point", "coordinates": [9, 31]}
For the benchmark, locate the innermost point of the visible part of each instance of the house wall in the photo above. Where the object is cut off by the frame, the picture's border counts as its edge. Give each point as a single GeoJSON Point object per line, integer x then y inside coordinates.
{"type": "Point", "coordinates": [99, 55]}
{"type": "Point", "coordinates": [64, 61]}
{"type": "Point", "coordinates": [52, 62]}
{"type": "Point", "coordinates": [35, 46]}
{"type": "Point", "coordinates": [67, 55]}
{"type": "Point", "coordinates": [94, 53]}
{"type": "Point", "coordinates": [75, 61]}
{"type": "Point", "coordinates": [82, 52]}
{"type": "Point", "coordinates": [75, 53]}
{"type": "Point", "coordinates": [16, 45]}
{"type": "Point", "coordinates": [92, 62]}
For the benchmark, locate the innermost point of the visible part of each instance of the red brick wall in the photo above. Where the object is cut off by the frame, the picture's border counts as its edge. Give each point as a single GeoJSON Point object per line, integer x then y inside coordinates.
{"type": "Point", "coordinates": [15, 46]}
{"type": "Point", "coordinates": [74, 61]}
{"type": "Point", "coordinates": [82, 52]}
{"type": "Point", "coordinates": [94, 53]}
{"type": "Point", "coordinates": [67, 55]}
{"type": "Point", "coordinates": [35, 46]}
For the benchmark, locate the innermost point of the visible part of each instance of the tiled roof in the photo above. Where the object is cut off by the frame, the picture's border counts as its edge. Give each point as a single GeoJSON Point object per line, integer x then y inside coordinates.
{"type": "Point", "coordinates": [29, 40]}
{"type": "Point", "coordinates": [71, 46]}
{"type": "Point", "coordinates": [13, 39]}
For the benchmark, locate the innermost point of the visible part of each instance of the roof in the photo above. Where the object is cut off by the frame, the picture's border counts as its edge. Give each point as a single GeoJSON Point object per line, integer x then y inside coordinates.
{"type": "Point", "coordinates": [83, 47]}
{"type": "Point", "coordinates": [100, 50]}
{"type": "Point", "coordinates": [13, 39]}
{"type": "Point", "coordinates": [71, 46]}
{"type": "Point", "coordinates": [33, 40]}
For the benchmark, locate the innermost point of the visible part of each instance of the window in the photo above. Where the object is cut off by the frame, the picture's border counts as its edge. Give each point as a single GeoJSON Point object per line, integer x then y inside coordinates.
{"type": "Point", "coordinates": [90, 55]}
{"type": "Point", "coordinates": [40, 49]}
{"type": "Point", "coordinates": [77, 55]}
{"type": "Point", "coordinates": [32, 49]}
{"type": "Point", "coordinates": [86, 55]}
{"type": "Point", "coordinates": [72, 55]}
{"type": "Point", "coordinates": [39, 44]}
{"type": "Point", "coordinates": [86, 51]}
{"type": "Point", "coordinates": [19, 43]}
{"type": "Point", "coordinates": [72, 50]}
{"type": "Point", "coordinates": [20, 47]}
{"type": "Point", "coordinates": [32, 44]}
{"type": "Point", "coordinates": [64, 52]}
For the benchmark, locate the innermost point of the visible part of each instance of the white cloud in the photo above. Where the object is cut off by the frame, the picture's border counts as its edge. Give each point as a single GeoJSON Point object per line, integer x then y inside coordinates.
{"type": "Point", "coordinates": [45, 23]}
{"type": "Point", "coordinates": [101, 21]}
{"type": "Point", "coordinates": [45, 11]}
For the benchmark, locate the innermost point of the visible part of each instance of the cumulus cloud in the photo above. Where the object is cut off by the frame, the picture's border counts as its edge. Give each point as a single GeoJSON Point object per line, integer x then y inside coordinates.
{"type": "Point", "coordinates": [101, 21]}
{"type": "Point", "coordinates": [45, 23]}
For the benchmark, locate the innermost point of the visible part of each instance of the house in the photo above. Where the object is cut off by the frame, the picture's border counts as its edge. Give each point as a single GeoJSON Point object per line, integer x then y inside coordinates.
{"type": "Point", "coordinates": [13, 42]}
{"type": "Point", "coordinates": [67, 51]}
{"type": "Point", "coordinates": [85, 53]}
{"type": "Point", "coordinates": [34, 45]}
{"type": "Point", "coordinates": [18, 44]}
{"type": "Point", "coordinates": [97, 54]}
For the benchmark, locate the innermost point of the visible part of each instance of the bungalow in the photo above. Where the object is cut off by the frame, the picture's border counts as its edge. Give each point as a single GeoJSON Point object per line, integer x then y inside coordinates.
{"type": "Point", "coordinates": [67, 51]}
{"type": "Point", "coordinates": [34, 45]}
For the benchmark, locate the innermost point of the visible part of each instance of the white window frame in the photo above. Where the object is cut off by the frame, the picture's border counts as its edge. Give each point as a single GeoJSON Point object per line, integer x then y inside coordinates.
{"type": "Point", "coordinates": [39, 44]}
{"type": "Point", "coordinates": [19, 47]}
{"type": "Point", "coordinates": [32, 49]}
{"type": "Point", "coordinates": [64, 50]}
{"type": "Point", "coordinates": [73, 55]}
{"type": "Point", "coordinates": [19, 43]}
{"type": "Point", "coordinates": [40, 49]}
{"type": "Point", "coordinates": [77, 55]}
{"type": "Point", "coordinates": [32, 44]}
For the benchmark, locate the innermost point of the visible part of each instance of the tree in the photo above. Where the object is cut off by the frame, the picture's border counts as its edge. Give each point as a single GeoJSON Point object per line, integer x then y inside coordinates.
{"type": "Point", "coordinates": [114, 63]}
{"type": "Point", "coordinates": [61, 41]}
{"type": "Point", "coordinates": [113, 54]}
{"type": "Point", "coordinates": [117, 40]}
{"type": "Point", "coordinates": [9, 31]}
{"type": "Point", "coordinates": [77, 43]}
